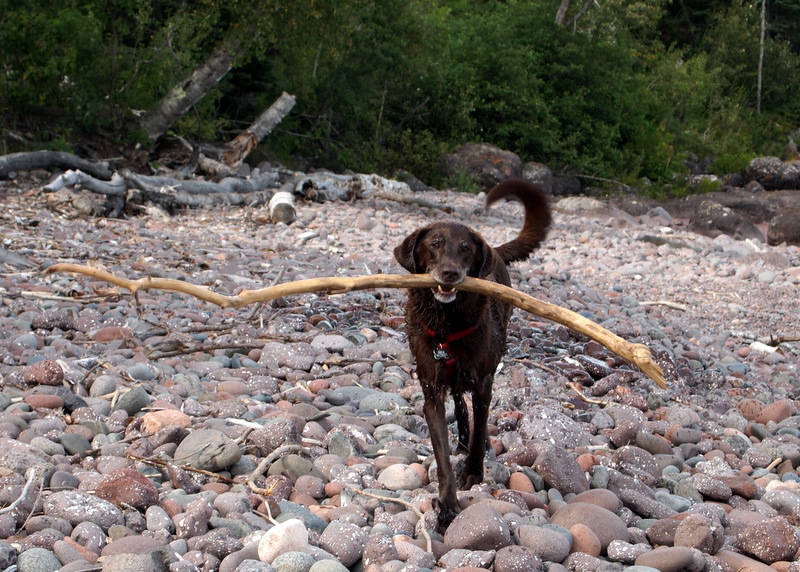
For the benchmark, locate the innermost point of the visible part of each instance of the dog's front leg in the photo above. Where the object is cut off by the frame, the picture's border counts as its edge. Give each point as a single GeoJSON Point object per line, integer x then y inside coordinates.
{"type": "Point", "coordinates": [437, 425]}
{"type": "Point", "coordinates": [473, 469]}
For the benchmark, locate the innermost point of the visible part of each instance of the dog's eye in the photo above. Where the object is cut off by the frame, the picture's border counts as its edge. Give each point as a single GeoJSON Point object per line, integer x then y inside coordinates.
{"type": "Point", "coordinates": [465, 248]}
{"type": "Point", "coordinates": [436, 244]}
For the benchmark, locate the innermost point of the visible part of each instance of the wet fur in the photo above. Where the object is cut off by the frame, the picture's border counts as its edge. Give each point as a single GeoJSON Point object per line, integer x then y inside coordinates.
{"type": "Point", "coordinates": [449, 251]}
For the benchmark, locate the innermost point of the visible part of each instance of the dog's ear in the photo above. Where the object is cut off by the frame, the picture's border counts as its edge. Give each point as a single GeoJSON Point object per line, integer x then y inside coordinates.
{"type": "Point", "coordinates": [406, 252]}
{"type": "Point", "coordinates": [483, 264]}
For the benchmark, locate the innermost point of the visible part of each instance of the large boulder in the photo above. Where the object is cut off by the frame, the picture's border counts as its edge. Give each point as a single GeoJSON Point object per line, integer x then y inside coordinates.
{"type": "Point", "coordinates": [774, 173]}
{"type": "Point", "coordinates": [712, 219]}
{"type": "Point", "coordinates": [487, 163]}
{"type": "Point", "coordinates": [785, 227]}
{"type": "Point", "coordinates": [540, 175]}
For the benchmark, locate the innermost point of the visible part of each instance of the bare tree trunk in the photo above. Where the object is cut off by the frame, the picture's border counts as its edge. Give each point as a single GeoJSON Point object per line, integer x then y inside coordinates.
{"type": "Point", "coordinates": [249, 139]}
{"type": "Point", "coordinates": [563, 12]}
{"type": "Point", "coordinates": [563, 9]}
{"type": "Point", "coordinates": [761, 53]}
{"type": "Point", "coordinates": [184, 95]}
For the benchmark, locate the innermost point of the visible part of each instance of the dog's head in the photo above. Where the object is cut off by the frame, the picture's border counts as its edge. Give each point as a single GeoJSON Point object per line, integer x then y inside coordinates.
{"type": "Point", "coordinates": [449, 252]}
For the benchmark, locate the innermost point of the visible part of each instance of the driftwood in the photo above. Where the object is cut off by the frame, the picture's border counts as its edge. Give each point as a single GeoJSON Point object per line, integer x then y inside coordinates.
{"type": "Point", "coordinates": [249, 139]}
{"type": "Point", "coordinates": [48, 160]}
{"type": "Point", "coordinates": [636, 353]}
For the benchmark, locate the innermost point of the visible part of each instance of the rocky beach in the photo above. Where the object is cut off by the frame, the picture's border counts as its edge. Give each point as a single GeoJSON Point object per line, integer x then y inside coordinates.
{"type": "Point", "coordinates": [164, 433]}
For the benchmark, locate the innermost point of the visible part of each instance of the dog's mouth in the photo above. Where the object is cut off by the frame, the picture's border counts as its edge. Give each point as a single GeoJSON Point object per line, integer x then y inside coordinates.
{"type": "Point", "coordinates": [444, 294]}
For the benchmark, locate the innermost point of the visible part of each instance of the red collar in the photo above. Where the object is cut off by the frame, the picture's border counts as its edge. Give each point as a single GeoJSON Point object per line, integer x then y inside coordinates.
{"type": "Point", "coordinates": [441, 351]}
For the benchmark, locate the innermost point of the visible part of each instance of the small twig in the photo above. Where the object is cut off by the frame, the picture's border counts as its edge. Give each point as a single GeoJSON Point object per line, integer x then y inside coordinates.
{"type": "Point", "coordinates": [775, 463]}
{"type": "Point", "coordinates": [204, 348]}
{"type": "Point", "coordinates": [579, 390]}
{"type": "Point", "coordinates": [274, 456]}
{"type": "Point", "coordinates": [667, 303]}
{"type": "Point", "coordinates": [160, 463]}
{"type": "Point", "coordinates": [405, 503]}
{"type": "Point", "coordinates": [22, 496]}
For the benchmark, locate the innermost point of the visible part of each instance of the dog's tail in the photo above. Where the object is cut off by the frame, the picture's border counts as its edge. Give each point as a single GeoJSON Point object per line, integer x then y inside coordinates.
{"type": "Point", "coordinates": [537, 217]}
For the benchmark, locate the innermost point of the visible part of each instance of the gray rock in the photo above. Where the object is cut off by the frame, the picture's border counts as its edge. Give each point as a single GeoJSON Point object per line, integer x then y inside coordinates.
{"type": "Point", "coordinates": [37, 560]}
{"type": "Point", "coordinates": [559, 469]}
{"type": "Point", "coordinates": [332, 343]}
{"type": "Point", "coordinates": [8, 555]}
{"type": "Point", "coordinates": [478, 527]}
{"type": "Point", "coordinates": [133, 401]}
{"type": "Point", "coordinates": [345, 541]}
{"type": "Point", "coordinates": [547, 424]}
{"type": "Point", "coordinates": [293, 562]}
{"type": "Point", "coordinates": [328, 566]}
{"type": "Point", "coordinates": [207, 449]}
{"type": "Point", "coordinates": [77, 506]}
{"type": "Point", "coordinates": [154, 560]}
{"type": "Point", "coordinates": [546, 543]}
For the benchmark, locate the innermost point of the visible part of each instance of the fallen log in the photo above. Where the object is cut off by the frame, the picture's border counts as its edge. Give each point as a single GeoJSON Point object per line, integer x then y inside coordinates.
{"type": "Point", "coordinates": [49, 160]}
{"type": "Point", "coordinates": [116, 186]}
{"type": "Point", "coordinates": [639, 354]}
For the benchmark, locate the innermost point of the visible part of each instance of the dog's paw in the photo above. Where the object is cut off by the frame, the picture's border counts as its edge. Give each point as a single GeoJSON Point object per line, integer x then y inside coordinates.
{"type": "Point", "coordinates": [446, 514]}
{"type": "Point", "coordinates": [467, 481]}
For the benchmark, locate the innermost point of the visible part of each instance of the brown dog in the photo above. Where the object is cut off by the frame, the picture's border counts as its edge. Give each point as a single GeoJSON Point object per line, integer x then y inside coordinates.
{"type": "Point", "coordinates": [458, 338]}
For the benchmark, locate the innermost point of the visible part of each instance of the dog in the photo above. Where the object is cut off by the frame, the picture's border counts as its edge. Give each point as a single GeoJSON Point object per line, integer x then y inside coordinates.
{"type": "Point", "coordinates": [458, 338]}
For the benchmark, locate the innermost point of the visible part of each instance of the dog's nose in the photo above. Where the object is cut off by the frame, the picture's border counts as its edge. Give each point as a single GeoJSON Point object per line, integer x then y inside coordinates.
{"type": "Point", "coordinates": [450, 274]}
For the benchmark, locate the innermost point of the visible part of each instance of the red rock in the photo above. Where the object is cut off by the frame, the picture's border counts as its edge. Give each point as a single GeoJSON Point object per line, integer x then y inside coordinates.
{"type": "Point", "coordinates": [741, 563]}
{"type": "Point", "coordinates": [520, 482]}
{"type": "Point", "coordinates": [667, 559]}
{"type": "Point", "coordinates": [217, 487]}
{"type": "Point", "coordinates": [154, 421]}
{"type": "Point", "coordinates": [584, 540]}
{"type": "Point", "coordinates": [40, 401]}
{"type": "Point", "coordinates": [604, 523]}
{"type": "Point", "coordinates": [111, 333]}
{"type": "Point", "coordinates": [45, 372]}
{"type": "Point", "coordinates": [699, 532]}
{"type": "Point", "coordinates": [233, 387]}
{"type": "Point", "coordinates": [751, 408]}
{"type": "Point", "coordinates": [600, 497]}
{"type": "Point", "coordinates": [127, 487]}
{"type": "Point", "coordinates": [87, 554]}
{"type": "Point", "coordinates": [769, 540]}
{"type": "Point", "coordinates": [777, 412]}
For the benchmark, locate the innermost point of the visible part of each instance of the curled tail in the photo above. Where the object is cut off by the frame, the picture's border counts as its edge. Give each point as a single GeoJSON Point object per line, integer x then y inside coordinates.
{"type": "Point", "coordinates": [537, 217]}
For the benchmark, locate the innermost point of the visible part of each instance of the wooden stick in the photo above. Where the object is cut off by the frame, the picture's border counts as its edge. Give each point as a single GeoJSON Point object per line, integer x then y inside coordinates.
{"type": "Point", "coordinates": [636, 353]}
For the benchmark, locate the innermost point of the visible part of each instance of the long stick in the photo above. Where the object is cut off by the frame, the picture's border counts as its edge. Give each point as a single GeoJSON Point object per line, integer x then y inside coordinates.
{"type": "Point", "coordinates": [636, 353]}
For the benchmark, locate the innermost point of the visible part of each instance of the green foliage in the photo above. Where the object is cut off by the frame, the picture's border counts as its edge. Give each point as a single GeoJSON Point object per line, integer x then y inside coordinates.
{"type": "Point", "coordinates": [708, 185]}
{"type": "Point", "coordinates": [625, 92]}
{"type": "Point", "coordinates": [465, 182]}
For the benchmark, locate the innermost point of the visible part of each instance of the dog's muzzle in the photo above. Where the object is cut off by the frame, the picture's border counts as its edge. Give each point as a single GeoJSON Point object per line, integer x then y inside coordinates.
{"type": "Point", "coordinates": [444, 294]}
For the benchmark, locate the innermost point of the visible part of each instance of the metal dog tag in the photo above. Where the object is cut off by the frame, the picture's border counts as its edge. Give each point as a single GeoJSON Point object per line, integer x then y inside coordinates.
{"type": "Point", "coordinates": [441, 353]}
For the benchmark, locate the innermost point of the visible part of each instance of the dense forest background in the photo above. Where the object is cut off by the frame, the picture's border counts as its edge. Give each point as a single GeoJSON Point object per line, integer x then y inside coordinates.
{"type": "Point", "coordinates": [616, 89]}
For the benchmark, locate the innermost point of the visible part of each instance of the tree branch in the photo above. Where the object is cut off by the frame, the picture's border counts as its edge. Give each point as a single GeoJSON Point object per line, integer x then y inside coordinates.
{"type": "Point", "coordinates": [636, 353]}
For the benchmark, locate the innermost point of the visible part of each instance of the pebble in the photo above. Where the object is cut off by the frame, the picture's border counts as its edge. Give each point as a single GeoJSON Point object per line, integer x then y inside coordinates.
{"type": "Point", "coordinates": [651, 480]}
{"type": "Point", "coordinates": [400, 477]}
{"type": "Point", "coordinates": [478, 527]}
{"type": "Point", "coordinates": [546, 543]}
{"type": "Point", "coordinates": [289, 536]}
{"type": "Point", "coordinates": [667, 558]}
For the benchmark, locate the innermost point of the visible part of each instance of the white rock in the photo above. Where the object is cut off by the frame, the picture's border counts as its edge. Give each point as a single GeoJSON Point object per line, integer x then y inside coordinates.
{"type": "Point", "coordinates": [287, 536]}
{"type": "Point", "coordinates": [400, 477]}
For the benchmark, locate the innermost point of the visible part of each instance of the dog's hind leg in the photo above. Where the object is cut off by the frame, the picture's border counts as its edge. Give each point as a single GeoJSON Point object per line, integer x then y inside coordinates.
{"type": "Point", "coordinates": [462, 421]}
